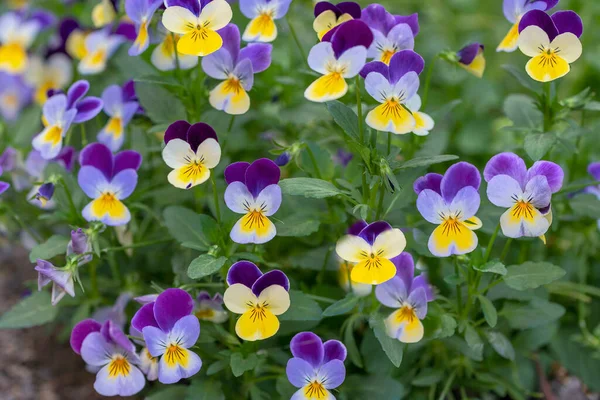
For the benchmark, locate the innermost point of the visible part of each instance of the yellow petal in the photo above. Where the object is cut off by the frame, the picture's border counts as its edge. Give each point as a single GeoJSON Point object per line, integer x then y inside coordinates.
{"type": "Point", "coordinates": [391, 116]}
{"type": "Point", "coordinates": [257, 324]}
{"type": "Point", "coordinates": [199, 42]}
{"type": "Point", "coordinates": [510, 41]}
{"type": "Point", "coordinates": [546, 68]}
{"type": "Point", "coordinates": [328, 87]}
{"type": "Point", "coordinates": [13, 58]}
{"type": "Point", "coordinates": [373, 272]}
{"type": "Point", "coordinates": [261, 29]}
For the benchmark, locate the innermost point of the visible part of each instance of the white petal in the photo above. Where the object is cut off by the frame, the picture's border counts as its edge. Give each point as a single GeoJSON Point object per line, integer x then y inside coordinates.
{"type": "Point", "coordinates": [210, 151]}
{"type": "Point", "coordinates": [237, 297]}
{"type": "Point", "coordinates": [350, 247]}
{"type": "Point", "coordinates": [353, 61]}
{"type": "Point", "coordinates": [177, 153]}
{"type": "Point", "coordinates": [218, 13]}
{"type": "Point", "coordinates": [531, 39]}
{"type": "Point", "coordinates": [390, 243]}
{"type": "Point", "coordinates": [567, 46]}
{"type": "Point", "coordinates": [176, 19]}
{"type": "Point", "coordinates": [319, 56]}
{"type": "Point", "coordinates": [277, 297]}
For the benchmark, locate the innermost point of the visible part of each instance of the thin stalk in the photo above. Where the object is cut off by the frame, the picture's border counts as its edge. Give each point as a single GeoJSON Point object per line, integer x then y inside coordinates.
{"type": "Point", "coordinates": [505, 249]}
{"type": "Point", "coordinates": [380, 205]}
{"type": "Point", "coordinates": [579, 186]}
{"type": "Point", "coordinates": [69, 197]}
{"type": "Point", "coordinates": [389, 143]}
{"type": "Point", "coordinates": [23, 225]}
{"type": "Point", "coordinates": [94, 279]}
{"type": "Point", "coordinates": [177, 64]}
{"type": "Point", "coordinates": [458, 291]}
{"type": "Point", "coordinates": [447, 386]}
{"type": "Point", "coordinates": [547, 107]}
{"type": "Point", "coordinates": [83, 136]}
{"type": "Point", "coordinates": [295, 37]}
{"type": "Point", "coordinates": [216, 198]}
{"type": "Point", "coordinates": [322, 299]}
{"type": "Point", "coordinates": [428, 81]}
{"type": "Point", "coordinates": [313, 160]}
{"type": "Point", "coordinates": [361, 135]}
{"type": "Point", "coordinates": [228, 133]}
{"type": "Point", "coordinates": [488, 250]}
{"type": "Point", "coordinates": [136, 245]}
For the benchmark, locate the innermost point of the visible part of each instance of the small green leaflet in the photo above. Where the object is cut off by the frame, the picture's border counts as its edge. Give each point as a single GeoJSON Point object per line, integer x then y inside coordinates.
{"type": "Point", "coordinates": [205, 265]}
{"type": "Point", "coordinates": [531, 275]}
{"type": "Point", "coordinates": [31, 311]}
{"type": "Point", "coordinates": [52, 247]}
{"type": "Point", "coordinates": [342, 306]}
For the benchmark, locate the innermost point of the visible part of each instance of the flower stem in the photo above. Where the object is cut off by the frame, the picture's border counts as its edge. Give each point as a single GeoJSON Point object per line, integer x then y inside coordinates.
{"type": "Point", "coordinates": [505, 249]}
{"type": "Point", "coordinates": [458, 290]}
{"type": "Point", "coordinates": [547, 107]}
{"type": "Point", "coordinates": [488, 250]}
{"type": "Point", "coordinates": [295, 37]}
{"type": "Point", "coordinates": [228, 133]}
{"type": "Point", "coordinates": [428, 81]}
{"type": "Point", "coordinates": [69, 197]}
{"type": "Point", "coordinates": [361, 135]}
{"type": "Point", "coordinates": [136, 245]}
{"type": "Point", "coordinates": [216, 198]}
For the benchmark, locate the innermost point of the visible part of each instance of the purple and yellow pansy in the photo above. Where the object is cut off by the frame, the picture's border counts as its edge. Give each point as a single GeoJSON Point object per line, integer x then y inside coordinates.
{"type": "Point", "coordinates": [345, 271]}
{"type": "Point", "coordinates": [104, 13]}
{"type": "Point", "coordinates": [120, 111]}
{"type": "Point", "coordinates": [57, 117]}
{"type": "Point", "coordinates": [514, 10]}
{"type": "Point", "coordinates": [141, 13]}
{"type": "Point", "coordinates": [164, 57]}
{"type": "Point", "coordinates": [258, 297]}
{"type": "Point", "coordinates": [192, 151]}
{"type": "Point", "coordinates": [209, 308]}
{"type": "Point", "coordinates": [98, 47]}
{"type": "Point", "coordinates": [107, 179]}
{"type": "Point", "coordinates": [329, 15]}
{"type": "Point", "coordinates": [15, 94]}
{"type": "Point", "coordinates": [371, 249]}
{"type": "Point", "coordinates": [263, 14]}
{"type": "Point", "coordinates": [471, 58]}
{"type": "Point", "coordinates": [43, 196]}
{"type": "Point", "coordinates": [54, 73]}
{"type": "Point", "coordinates": [451, 202]}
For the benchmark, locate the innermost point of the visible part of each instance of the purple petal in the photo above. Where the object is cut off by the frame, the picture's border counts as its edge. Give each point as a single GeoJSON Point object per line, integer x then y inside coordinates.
{"type": "Point", "coordinates": [4, 186]}
{"type": "Point", "coordinates": [421, 282]}
{"type": "Point", "coordinates": [177, 130]}
{"type": "Point", "coordinates": [46, 190]}
{"type": "Point", "coordinates": [144, 317]}
{"type": "Point", "coordinates": [243, 272]}
{"type": "Point", "coordinates": [411, 20]}
{"type": "Point", "coordinates": [129, 91]}
{"type": "Point", "coordinates": [236, 172]}
{"type": "Point", "coordinates": [323, 6]}
{"type": "Point", "coordinates": [594, 170]}
{"type": "Point", "coordinates": [458, 176]}
{"type": "Point", "coordinates": [76, 92]}
{"type": "Point", "coordinates": [118, 337]}
{"type": "Point", "coordinates": [309, 347]}
{"type": "Point", "coordinates": [357, 227]}
{"type": "Point", "coordinates": [87, 109]}
{"type": "Point", "coordinates": [274, 277]}
{"type": "Point", "coordinates": [91, 181]}
{"type": "Point", "coordinates": [172, 305]}
{"type": "Point", "coordinates": [568, 21]}
{"type": "Point", "coordinates": [80, 332]}
{"type": "Point", "coordinates": [538, 191]}
{"type": "Point", "coordinates": [392, 293]}
{"type": "Point", "coordinates": [44, 18]}
{"type": "Point", "coordinates": [371, 231]}
{"type": "Point", "coordinates": [418, 299]}
{"type": "Point", "coordinates": [376, 17]}
{"type": "Point", "coordinates": [203, 296]}
{"type": "Point", "coordinates": [146, 299]}
{"type": "Point", "coordinates": [553, 173]}
{"type": "Point", "coordinates": [186, 331]}
{"type": "Point", "coordinates": [198, 133]}
{"type": "Point", "coordinates": [332, 374]}
{"type": "Point", "coordinates": [405, 268]}
{"type": "Point", "coordinates": [466, 202]}
{"type": "Point", "coordinates": [468, 53]}
{"type": "Point", "coordinates": [299, 372]}
{"type": "Point", "coordinates": [350, 34]}
{"type": "Point", "coordinates": [334, 350]}
{"type": "Point", "coordinates": [96, 350]}
{"type": "Point", "coordinates": [375, 66]}
{"type": "Point", "coordinates": [8, 159]}
{"type": "Point", "coordinates": [259, 55]}
{"type": "Point", "coordinates": [99, 156]}
{"type": "Point", "coordinates": [66, 157]}
{"type": "Point", "coordinates": [231, 40]}
{"type": "Point", "coordinates": [260, 174]}
{"type": "Point", "coordinates": [192, 5]}
{"type": "Point", "coordinates": [404, 62]}
{"type": "Point", "coordinates": [349, 7]}
{"type": "Point", "coordinates": [506, 164]}
{"type": "Point", "coordinates": [128, 159]}
{"type": "Point", "coordinates": [430, 181]}
{"type": "Point", "coordinates": [541, 19]}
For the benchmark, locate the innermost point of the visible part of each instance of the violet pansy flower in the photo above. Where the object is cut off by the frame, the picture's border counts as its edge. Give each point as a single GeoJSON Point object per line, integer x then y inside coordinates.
{"type": "Point", "coordinates": [258, 297]}
{"type": "Point", "coordinates": [513, 12]}
{"type": "Point", "coordinates": [341, 55]}
{"type": "Point", "coordinates": [44, 194]}
{"type": "Point", "coordinates": [58, 43]}
{"type": "Point", "coordinates": [62, 280]}
{"type": "Point", "coordinates": [57, 117]}
{"type": "Point", "coordinates": [169, 330]}
{"type": "Point", "coordinates": [551, 42]}
{"type": "Point", "coordinates": [525, 192]}
{"type": "Point", "coordinates": [210, 308]}
{"type": "Point", "coordinates": [409, 295]}
{"type": "Point", "coordinates": [107, 179]}
{"type": "Point", "coordinates": [120, 112]}
{"type": "Point", "coordinates": [451, 202]}
{"type": "Point", "coordinates": [329, 15]}
{"type": "Point", "coordinates": [471, 59]}
{"type": "Point", "coordinates": [54, 73]}
{"type": "Point", "coordinates": [163, 56]}
{"type": "Point", "coordinates": [141, 13]}
{"type": "Point", "coordinates": [192, 151]}
{"type": "Point", "coordinates": [253, 191]}
{"type": "Point", "coordinates": [17, 34]}
{"type": "Point", "coordinates": [3, 185]}
{"type": "Point", "coordinates": [107, 348]}
{"type": "Point", "coordinates": [371, 249]}
{"type": "Point", "coordinates": [594, 171]}
{"type": "Point", "coordinates": [15, 94]}
{"type": "Point", "coordinates": [316, 367]}
{"type": "Point", "coordinates": [263, 14]}
{"type": "Point", "coordinates": [87, 106]}
{"type": "Point", "coordinates": [236, 69]}
{"type": "Point", "coordinates": [99, 46]}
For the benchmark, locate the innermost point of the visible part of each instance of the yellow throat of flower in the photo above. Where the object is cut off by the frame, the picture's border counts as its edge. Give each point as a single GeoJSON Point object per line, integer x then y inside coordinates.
{"type": "Point", "coordinates": [315, 390]}
{"type": "Point", "coordinates": [406, 314]}
{"type": "Point", "coordinates": [119, 366]}
{"type": "Point", "coordinates": [386, 56]}
{"type": "Point", "coordinates": [175, 355]}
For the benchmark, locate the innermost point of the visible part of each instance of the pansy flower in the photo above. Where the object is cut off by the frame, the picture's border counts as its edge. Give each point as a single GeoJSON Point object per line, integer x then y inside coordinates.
{"type": "Point", "coordinates": [514, 11]}
{"type": "Point", "coordinates": [236, 69]}
{"type": "Point", "coordinates": [192, 151]}
{"type": "Point", "coordinates": [371, 250]}
{"type": "Point", "coordinates": [43, 195]}
{"type": "Point", "coordinates": [57, 117]}
{"type": "Point", "coordinates": [197, 23]}
{"type": "Point", "coordinates": [87, 106]}
{"type": "Point", "coordinates": [120, 112]}
{"type": "Point", "coordinates": [17, 34]}
{"type": "Point", "coordinates": [114, 313]}
{"type": "Point", "coordinates": [15, 94]}
{"type": "Point", "coordinates": [163, 56]}
{"type": "Point", "coordinates": [107, 179]}
{"type": "Point", "coordinates": [75, 43]}
{"type": "Point", "coordinates": [594, 171]}
{"type": "Point", "coordinates": [392, 33]}
{"type": "Point", "coordinates": [81, 246]}
{"type": "Point", "coordinates": [141, 13]}
{"type": "Point", "coordinates": [58, 43]}
{"type": "Point", "coordinates": [451, 202]}
{"type": "Point", "coordinates": [105, 347]}
{"type": "Point", "coordinates": [525, 192]}
{"type": "Point", "coordinates": [210, 308]}
{"type": "Point", "coordinates": [316, 367]}
{"type": "Point", "coordinates": [409, 296]}
{"type": "Point", "coordinates": [3, 185]}
{"type": "Point", "coordinates": [61, 278]}
{"type": "Point", "coordinates": [329, 15]}
{"type": "Point", "coordinates": [54, 73]}
{"type": "Point", "coordinates": [552, 42]}
{"type": "Point", "coordinates": [341, 55]}
{"type": "Point", "coordinates": [258, 297]}
{"type": "Point", "coordinates": [471, 59]}
{"type": "Point", "coordinates": [104, 13]}
{"type": "Point", "coordinates": [345, 271]}
{"type": "Point", "coordinates": [99, 47]}
{"type": "Point", "coordinates": [394, 86]}
{"type": "Point", "coordinates": [169, 330]}
{"type": "Point", "coordinates": [253, 191]}
{"type": "Point", "coordinates": [263, 14]}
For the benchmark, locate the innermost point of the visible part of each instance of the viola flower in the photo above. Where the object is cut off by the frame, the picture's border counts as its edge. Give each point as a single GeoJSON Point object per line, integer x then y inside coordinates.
{"type": "Point", "coordinates": [192, 151]}
{"type": "Point", "coordinates": [236, 69]}
{"type": "Point", "coordinates": [146, 299]}
{"type": "Point", "coordinates": [75, 43]}
{"type": "Point", "coordinates": [108, 180]}
{"type": "Point", "coordinates": [471, 59]}
{"type": "Point", "coordinates": [451, 202]}
{"type": "Point", "coordinates": [197, 23]}
{"type": "Point", "coordinates": [163, 55]}
{"type": "Point", "coordinates": [3, 185]}
{"type": "Point", "coordinates": [329, 15]}
{"type": "Point", "coordinates": [106, 348]}
{"type": "Point", "coordinates": [409, 295]}
{"type": "Point", "coordinates": [371, 249]}
{"type": "Point", "coordinates": [392, 33]}
{"type": "Point", "coordinates": [359, 289]}
{"type": "Point", "coordinates": [15, 94]}
{"type": "Point", "coordinates": [525, 192]}
{"type": "Point", "coordinates": [141, 13]}
{"type": "Point", "coordinates": [343, 157]}
{"type": "Point", "coordinates": [254, 192]}
{"type": "Point", "coordinates": [552, 42]}
{"type": "Point", "coordinates": [169, 330]}
{"type": "Point", "coordinates": [316, 367]}
{"type": "Point", "coordinates": [17, 34]}
{"type": "Point", "coordinates": [423, 122]}
{"type": "Point", "coordinates": [148, 364]}
{"type": "Point", "coordinates": [283, 159]}
{"type": "Point", "coordinates": [61, 278]}
{"type": "Point", "coordinates": [99, 47]}
{"type": "Point", "coordinates": [57, 117]}
{"type": "Point", "coordinates": [594, 171]}
{"type": "Point", "coordinates": [55, 73]}
{"type": "Point", "coordinates": [394, 86]}
{"type": "Point", "coordinates": [258, 297]}
{"type": "Point", "coordinates": [514, 11]}
{"type": "Point", "coordinates": [129, 94]}
{"type": "Point", "coordinates": [120, 113]}
{"type": "Point", "coordinates": [104, 13]}
{"type": "Point", "coordinates": [341, 54]}
{"type": "Point", "coordinates": [44, 194]}
{"type": "Point", "coordinates": [58, 43]}
{"type": "Point", "coordinates": [263, 14]}
{"type": "Point", "coordinates": [210, 308]}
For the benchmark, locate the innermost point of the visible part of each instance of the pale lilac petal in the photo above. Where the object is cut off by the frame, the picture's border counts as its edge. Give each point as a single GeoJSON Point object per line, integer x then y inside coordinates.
{"type": "Point", "coordinates": [95, 350]}
{"type": "Point", "coordinates": [245, 74]}
{"type": "Point", "coordinates": [402, 37]}
{"type": "Point", "coordinates": [92, 181]}
{"type": "Point", "coordinates": [502, 190]}
{"type": "Point", "coordinates": [156, 340]}
{"type": "Point", "coordinates": [392, 293]}
{"type": "Point", "coordinates": [259, 55]}
{"type": "Point", "coordinates": [112, 97]}
{"type": "Point", "coordinates": [594, 170]}
{"type": "Point", "coordinates": [332, 374]}
{"type": "Point", "coordinates": [124, 183]}
{"type": "Point", "coordinates": [421, 282]}
{"type": "Point", "coordinates": [552, 171]}
{"type": "Point", "coordinates": [299, 372]}
{"type": "Point", "coordinates": [308, 347]}
{"type": "Point", "coordinates": [418, 300]}
{"type": "Point", "coordinates": [538, 191]}
{"type": "Point", "coordinates": [407, 86]}
{"type": "Point", "coordinates": [269, 199]}
{"type": "Point", "coordinates": [186, 331]}
{"type": "Point", "coordinates": [405, 268]}
{"type": "Point", "coordinates": [431, 205]}
{"type": "Point", "coordinates": [465, 203]}
{"type": "Point", "coordinates": [218, 65]}
{"type": "Point", "coordinates": [430, 181]}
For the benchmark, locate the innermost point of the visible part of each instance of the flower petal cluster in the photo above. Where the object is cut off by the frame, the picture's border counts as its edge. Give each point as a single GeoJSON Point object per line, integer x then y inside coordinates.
{"type": "Point", "coordinates": [141, 13]}
{"type": "Point", "coordinates": [209, 308]}
{"type": "Point", "coordinates": [471, 59]}
{"type": "Point", "coordinates": [329, 15]}
{"type": "Point", "coordinates": [514, 11]}
{"type": "Point", "coordinates": [121, 110]}
{"type": "Point", "coordinates": [263, 14]}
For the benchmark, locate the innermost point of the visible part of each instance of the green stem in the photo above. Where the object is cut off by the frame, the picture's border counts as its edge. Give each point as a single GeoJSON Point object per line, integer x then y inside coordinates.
{"type": "Point", "coordinates": [216, 198]}
{"type": "Point", "coordinates": [547, 107]}
{"type": "Point", "coordinates": [428, 81]}
{"type": "Point", "coordinates": [458, 289]}
{"type": "Point", "coordinates": [505, 249]}
{"type": "Point", "coordinates": [83, 136]}
{"type": "Point", "coordinates": [389, 143]}
{"type": "Point", "coordinates": [177, 64]}
{"type": "Point", "coordinates": [380, 205]}
{"type": "Point", "coordinates": [322, 299]}
{"type": "Point", "coordinates": [488, 250]}
{"type": "Point", "coordinates": [228, 133]}
{"type": "Point", "coordinates": [94, 279]}
{"type": "Point", "coordinates": [23, 225]}
{"type": "Point", "coordinates": [199, 84]}
{"type": "Point", "coordinates": [579, 186]}
{"type": "Point", "coordinates": [295, 37]}
{"type": "Point", "coordinates": [136, 245]}
{"type": "Point", "coordinates": [448, 385]}
{"type": "Point", "coordinates": [313, 160]}
{"type": "Point", "coordinates": [361, 135]}
{"type": "Point", "coordinates": [69, 197]}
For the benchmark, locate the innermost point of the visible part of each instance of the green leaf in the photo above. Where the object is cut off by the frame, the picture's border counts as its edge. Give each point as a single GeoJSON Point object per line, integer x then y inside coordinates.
{"type": "Point", "coordinates": [501, 344]}
{"type": "Point", "coordinates": [217, 366]}
{"type": "Point", "coordinates": [205, 265]}
{"type": "Point", "coordinates": [302, 308]}
{"type": "Point", "coordinates": [160, 104]}
{"type": "Point", "coordinates": [345, 118]}
{"type": "Point", "coordinates": [342, 306]}
{"type": "Point", "coordinates": [186, 226]}
{"type": "Point", "coordinates": [419, 162]}
{"type": "Point", "coordinates": [531, 275]}
{"type": "Point", "coordinates": [374, 387]}
{"type": "Point", "coordinates": [297, 226]}
{"type": "Point", "coordinates": [532, 339]}
{"type": "Point", "coordinates": [52, 247]}
{"type": "Point", "coordinates": [446, 328]}
{"type": "Point", "coordinates": [454, 279]}
{"type": "Point", "coordinates": [322, 158]}
{"type": "Point", "coordinates": [460, 345]}
{"type": "Point", "coordinates": [489, 311]}
{"type": "Point", "coordinates": [538, 144]}
{"type": "Point", "coordinates": [393, 348]}
{"type": "Point", "coordinates": [473, 340]}
{"type": "Point", "coordinates": [428, 377]}
{"type": "Point", "coordinates": [204, 389]}
{"type": "Point", "coordinates": [33, 310]}
{"type": "Point", "coordinates": [169, 393]}
{"type": "Point", "coordinates": [521, 77]}
{"type": "Point", "coordinates": [536, 313]}
{"type": "Point", "coordinates": [586, 205]}
{"type": "Point", "coordinates": [350, 343]}
{"type": "Point", "coordinates": [239, 364]}
{"type": "Point", "coordinates": [164, 80]}
{"type": "Point", "coordinates": [28, 125]}
{"type": "Point", "coordinates": [494, 267]}
{"type": "Point", "coordinates": [522, 111]}
{"type": "Point", "coordinates": [308, 187]}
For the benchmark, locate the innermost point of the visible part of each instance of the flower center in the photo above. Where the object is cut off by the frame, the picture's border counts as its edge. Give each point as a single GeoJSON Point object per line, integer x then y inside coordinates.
{"type": "Point", "coordinates": [108, 200]}
{"type": "Point", "coordinates": [315, 390]}
{"type": "Point", "coordinates": [452, 225]}
{"type": "Point", "coordinates": [54, 135]}
{"type": "Point", "coordinates": [206, 313]}
{"type": "Point", "coordinates": [372, 259]}
{"type": "Point", "coordinates": [258, 312]}
{"type": "Point", "coordinates": [386, 56]}
{"type": "Point", "coordinates": [175, 354]}
{"type": "Point", "coordinates": [118, 366]}
{"type": "Point", "coordinates": [98, 57]}
{"type": "Point", "coordinates": [41, 94]}
{"type": "Point", "coordinates": [548, 57]}
{"type": "Point", "coordinates": [193, 170]}
{"type": "Point", "coordinates": [255, 216]}
{"type": "Point", "coordinates": [10, 100]}
{"type": "Point", "coordinates": [233, 84]}
{"type": "Point", "coordinates": [150, 357]}
{"type": "Point", "coordinates": [200, 31]}
{"type": "Point", "coordinates": [523, 209]}
{"type": "Point", "coordinates": [115, 126]}
{"type": "Point", "coordinates": [406, 313]}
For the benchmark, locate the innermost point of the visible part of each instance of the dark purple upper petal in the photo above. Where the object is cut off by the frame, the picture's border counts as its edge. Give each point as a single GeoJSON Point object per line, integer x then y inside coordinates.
{"type": "Point", "coordinates": [259, 55]}
{"type": "Point", "coordinates": [198, 133]}
{"type": "Point", "coordinates": [506, 164]}
{"type": "Point", "coordinates": [351, 34]}
{"type": "Point", "coordinates": [411, 20]}
{"type": "Point", "coordinates": [458, 176]}
{"type": "Point", "coordinates": [66, 157]}
{"type": "Point", "coordinates": [127, 30]}
{"type": "Point", "coordinates": [192, 5]}
{"type": "Point", "coordinates": [128, 90]}
{"type": "Point", "coordinates": [371, 231]}
{"type": "Point", "coordinates": [357, 227]}
{"type": "Point", "coordinates": [43, 17]}
{"type": "Point", "coordinates": [334, 350]}
{"type": "Point", "coordinates": [421, 282]}
{"type": "Point", "coordinates": [177, 130]}
{"type": "Point", "coordinates": [260, 174]}
{"type": "Point", "coordinates": [80, 332]}
{"type": "Point", "coordinates": [309, 347]}
{"type": "Point", "coordinates": [98, 156]}
{"type": "Point", "coordinates": [377, 17]}
{"type": "Point", "coordinates": [87, 109]}
{"type": "Point", "coordinates": [323, 6]}
{"type": "Point", "coordinates": [405, 268]}
{"type": "Point", "coordinates": [244, 272]}
{"type": "Point", "coordinates": [231, 40]}
{"type": "Point", "coordinates": [76, 92]}
{"type": "Point", "coordinates": [468, 53]}
{"type": "Point", "coordinates": [351, 8]}
{"type": "Point", "coordinates": [144, 317]}
{"type": "Point", "coordinates": [430, 181]}
{"type": "Point", "coordinates": [170, 306]}
{"type": "Point", "coordinates": [203, 296]}
{"type": "Point", "coordinates": [236, 172]}
{"type": "Point", "coordinates": [375, 66]}
{"type": "Point", "coordinates": [594, 170]}
{"type": "Point", "coordinates": [553, 172]}
{"type": "Point", "coordinates": [275, 277]}
{"type": "Point", "coordinates": [127, 159]}
{"type": "Point", "coordinates": [403, 62]}
{"type": "Point", "coordinates": [118, 337]}
{"type": "Point", "coordinates": [541, 19]}
{"type": "Point", "coordinates": [46, 190]}
{"type": "Point", "coordinates": [568, 21]}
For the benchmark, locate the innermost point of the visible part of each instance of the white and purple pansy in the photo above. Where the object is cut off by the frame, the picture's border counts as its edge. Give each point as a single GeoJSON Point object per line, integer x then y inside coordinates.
{"type": "Point", "coordinates": [340, 56]}
{"type": "Point", "coordinates": [57, 117]}
{"type": "Point", "coordinates": [107, 179]}
{"type": "Point", "coordinates": [120, 113]}
{"type": "Point", "coordinates": [99, 46]}
{"type": "Point", "coordinates": [329, 15]}
{"type": "Point", "coordinates": [346, 282]}
{"type": "Point", "coordinates": [594, 171]}
{"type": "Point", "coordinates": [141, 13]}
{"type": "Point", "coordinates": [258, 297]}
{"type": "Point", "coordinates": [525, 192]}
{"type": "Point", "coordinates": [106, 348]}
{"type": "Point", "coordinates": [263, 14]}
{"type": "Point", "coordinates": [15, 94]}
{"type": "Point", "coordinates": [42, 196]}
{"type": "Point", "coordinates": [551, 42]}
{"type": "Point", "coordinates": [87, 106]}
{"type": "Point", "coordinates": [471, 59]}
{"type": "Point", "coordinates": [392, 33]}
{"type": "Point", "coordinates": [54, 73]}
{"type": "Point", "coordinates": [236, 69]}
{"type": "Point", "coordinates": [192, 151]}
{"type": "Point", "coordinates": [169, 330]}
{"type": "Point", "coordinates": [253, 191]}
{"type": "Point", "coordinates": [316, 367]}
{"type": "Point", "coordinates": [62, 280]}
{"type": "Point", "coordinates": [451, 202]}
{"type": "Point", "coordinates": [409, 296]}
{"type": "Point", "coordinates": [210, 308]}
{"type": "Point", "coordinates": [514, 11]}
